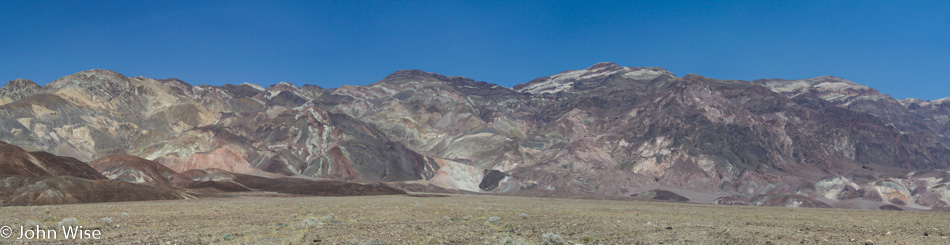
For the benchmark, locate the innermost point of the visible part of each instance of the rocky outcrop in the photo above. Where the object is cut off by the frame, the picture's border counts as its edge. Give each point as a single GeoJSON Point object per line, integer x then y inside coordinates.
{"type": "Point", "coordinates": [17, 89]}
{"type": "Point", "coordinates": [491, 179]}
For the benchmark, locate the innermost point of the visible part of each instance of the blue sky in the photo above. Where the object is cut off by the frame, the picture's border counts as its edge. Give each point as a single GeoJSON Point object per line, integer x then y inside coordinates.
{"type": "Point", "coordinates": [899, 47]}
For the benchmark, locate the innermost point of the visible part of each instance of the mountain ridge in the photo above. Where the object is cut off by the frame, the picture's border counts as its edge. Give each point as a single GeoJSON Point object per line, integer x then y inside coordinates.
{"type": "Point", "coordinates": [604, 130]}
{"type": "Point", "coordinates": [515, 87]}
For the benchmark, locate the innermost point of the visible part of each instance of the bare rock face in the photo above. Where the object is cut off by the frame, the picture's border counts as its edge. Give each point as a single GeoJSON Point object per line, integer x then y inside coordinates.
{"type": "Point", "coordinates": [575, 80]}
{"type": "Point", "coordinates": [603, 130]}
{"type": "Point", "coordinates": [933, 113]}
{"type": "Point", "coordinates": [492, 177]}
{"type": "Point", "coordinates": [843, 93]}
{"type": "Point", "coordinates": [17, 89]}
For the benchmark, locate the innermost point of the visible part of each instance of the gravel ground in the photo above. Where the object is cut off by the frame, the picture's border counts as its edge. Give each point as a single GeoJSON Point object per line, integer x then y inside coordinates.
{"type": "Point", "coordinates": [473, 219]}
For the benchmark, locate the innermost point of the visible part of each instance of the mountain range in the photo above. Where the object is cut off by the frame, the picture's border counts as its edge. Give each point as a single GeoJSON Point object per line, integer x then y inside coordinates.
{"type": "Point", "coordinates": [604, 131]}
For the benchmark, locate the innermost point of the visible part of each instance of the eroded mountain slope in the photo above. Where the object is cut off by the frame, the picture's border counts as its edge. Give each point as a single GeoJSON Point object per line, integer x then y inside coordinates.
{"type": "Point", "coordinates": [604, 130]}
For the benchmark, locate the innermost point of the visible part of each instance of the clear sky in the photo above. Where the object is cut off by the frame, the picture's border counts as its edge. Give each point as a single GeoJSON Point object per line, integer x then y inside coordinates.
{"type": "Point", "coordinates": [899, 47]}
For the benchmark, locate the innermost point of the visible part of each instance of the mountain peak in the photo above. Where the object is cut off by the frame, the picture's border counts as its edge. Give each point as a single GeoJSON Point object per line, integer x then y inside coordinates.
{"type": "Point", "coordinates": [19, 84]}
{"type": "Point", "coordinates": [90, 75]}
{"type": "Point", "coordinates": [97, 82]}
{"type": "Point", "coordinates": [402, 77]}
{"type": "Point", "coordinates": [601, 65]}
{"type": "Point", "coordinates": [17, 89]}
{"type": "Point", "coordinates": [409, 73]}
{"type": "Point", "coordinates": [565, 80]}
{"type": "Point", "coordinates": [175, 82]}
{"type": "Point", "coordinates": [99, 72]}
{"type": "Point", "coordinates": [283, 86]}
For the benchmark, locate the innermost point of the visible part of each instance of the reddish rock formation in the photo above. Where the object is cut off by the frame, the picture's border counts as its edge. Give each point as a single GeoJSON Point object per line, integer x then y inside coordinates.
{"type": "Point", "coordinates": [134, 169]}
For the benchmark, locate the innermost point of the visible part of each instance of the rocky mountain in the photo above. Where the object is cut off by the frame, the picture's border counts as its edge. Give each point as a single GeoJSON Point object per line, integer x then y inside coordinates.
{"type": "Point", "coordinates": [17, 89]}
{"type": "Point", "coordinates": [934, 113]}
{"type": "Point", "coordinates": [604, 130]}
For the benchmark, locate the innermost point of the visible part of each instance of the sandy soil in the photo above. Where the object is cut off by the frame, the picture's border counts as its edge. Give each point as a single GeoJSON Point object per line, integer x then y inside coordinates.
{"type": "Point", "coordinates": [474, 219]}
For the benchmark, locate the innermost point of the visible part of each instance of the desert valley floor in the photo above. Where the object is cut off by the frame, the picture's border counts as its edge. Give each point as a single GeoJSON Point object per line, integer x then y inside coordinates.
{"type": "Point", "coordinates": [474, 219]}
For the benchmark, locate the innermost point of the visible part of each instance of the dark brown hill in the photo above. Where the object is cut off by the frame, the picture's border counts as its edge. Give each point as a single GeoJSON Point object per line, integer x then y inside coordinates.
{"type": "Point", "coordinates": [53, 190]}
{"type": "Point", "coordinates": [16, 161]}
{"type": "Point", "coordinates": [40, 178]}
